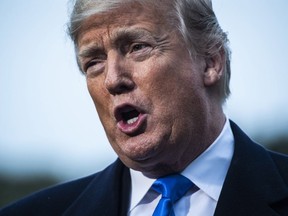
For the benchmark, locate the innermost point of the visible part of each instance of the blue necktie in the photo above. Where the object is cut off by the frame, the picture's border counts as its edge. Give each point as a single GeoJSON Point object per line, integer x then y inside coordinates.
{"type": "Point", "coordinates": [172, 188]}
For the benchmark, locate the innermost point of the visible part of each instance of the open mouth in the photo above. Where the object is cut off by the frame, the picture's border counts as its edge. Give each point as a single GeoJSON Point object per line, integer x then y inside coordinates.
{"type": "Point", "coordinates": [129, 118]}
{"type": "Point", "coordinates": [127, 114]}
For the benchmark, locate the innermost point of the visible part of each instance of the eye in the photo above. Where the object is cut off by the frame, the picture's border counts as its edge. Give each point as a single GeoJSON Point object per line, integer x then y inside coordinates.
{"type": "Point", "coordinates": [138, 47]}
{"type": "Point", "coordinates": [93, 66]}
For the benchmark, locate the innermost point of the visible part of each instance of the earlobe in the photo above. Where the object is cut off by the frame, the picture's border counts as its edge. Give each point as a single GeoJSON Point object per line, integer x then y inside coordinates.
{"type": "Point", "coordinates": [211, 76]}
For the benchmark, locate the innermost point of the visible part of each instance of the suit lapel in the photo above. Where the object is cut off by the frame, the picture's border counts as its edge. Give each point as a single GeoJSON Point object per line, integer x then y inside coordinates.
{"type": "Point", "coordinates": [108, 194]}
{"type": "Point", "coordinates": [250, 187]}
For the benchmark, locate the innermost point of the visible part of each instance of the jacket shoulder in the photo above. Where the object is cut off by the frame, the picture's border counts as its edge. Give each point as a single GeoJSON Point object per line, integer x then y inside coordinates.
{"type": "Point", "coordinates": [256, 182]}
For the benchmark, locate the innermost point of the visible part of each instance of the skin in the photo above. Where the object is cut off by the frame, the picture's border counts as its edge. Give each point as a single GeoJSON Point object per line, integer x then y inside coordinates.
{"type": "Point", "coordinates": [135, 57]}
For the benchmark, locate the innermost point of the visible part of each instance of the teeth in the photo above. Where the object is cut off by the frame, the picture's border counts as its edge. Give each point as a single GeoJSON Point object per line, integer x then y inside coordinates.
{"type": "Point", "coordinates": [133, 120]}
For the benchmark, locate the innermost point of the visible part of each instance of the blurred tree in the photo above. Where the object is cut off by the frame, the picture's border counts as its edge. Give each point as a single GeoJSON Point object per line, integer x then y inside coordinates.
{"type": "Point", "coordinates": [12, 188]}
{"type": "Point", "coordinates": [278, 144]}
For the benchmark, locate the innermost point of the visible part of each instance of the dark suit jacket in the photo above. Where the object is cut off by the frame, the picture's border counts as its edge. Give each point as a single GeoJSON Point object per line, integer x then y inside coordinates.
{"type": "Point", "coordinates": [256, 184]}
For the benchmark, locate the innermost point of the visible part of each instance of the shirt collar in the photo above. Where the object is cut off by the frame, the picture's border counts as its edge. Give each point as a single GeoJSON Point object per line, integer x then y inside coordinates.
{"type": "Point", "coordinates": [140, 186]}
{"type": "Point", "coordinates": [207, 172]}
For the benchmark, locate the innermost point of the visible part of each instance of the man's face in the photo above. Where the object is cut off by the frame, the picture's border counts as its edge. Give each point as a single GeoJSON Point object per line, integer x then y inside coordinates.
{"type": "Point", "coordinates": [148, 92]}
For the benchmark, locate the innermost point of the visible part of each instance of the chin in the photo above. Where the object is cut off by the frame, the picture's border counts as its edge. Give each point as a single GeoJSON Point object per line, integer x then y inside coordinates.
{"type": "Point", "coordinates": [143, 156]}
{"type": "Point", "coordinates": [139, 148]}
{"type": "Point", "coordinates": [152, 167]}
{"type": "Point", "coordinates": [158, 170]}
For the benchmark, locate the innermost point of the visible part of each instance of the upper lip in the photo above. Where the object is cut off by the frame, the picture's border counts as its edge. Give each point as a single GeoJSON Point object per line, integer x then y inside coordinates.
{"type": "Point", "coordinates": [125, 107]}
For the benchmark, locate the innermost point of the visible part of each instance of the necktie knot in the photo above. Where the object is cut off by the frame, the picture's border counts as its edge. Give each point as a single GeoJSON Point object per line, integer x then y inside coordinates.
{"type": "Point", "coordinates": [172, 188]}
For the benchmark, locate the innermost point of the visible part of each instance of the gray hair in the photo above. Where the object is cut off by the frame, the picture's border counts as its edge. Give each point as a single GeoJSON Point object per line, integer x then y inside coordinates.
{"type": "Point", "coordinates": [195, 20]}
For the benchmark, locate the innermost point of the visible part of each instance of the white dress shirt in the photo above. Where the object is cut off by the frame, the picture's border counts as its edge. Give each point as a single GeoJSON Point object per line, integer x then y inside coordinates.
{"type": "Point", "coordinates": [207, 172]}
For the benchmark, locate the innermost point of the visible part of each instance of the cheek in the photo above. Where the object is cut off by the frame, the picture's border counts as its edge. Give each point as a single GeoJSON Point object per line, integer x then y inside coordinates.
{"type": "Point", "coordinates": [96, 90]}
{"type": "Point", "coordinates": [175, 91]}
{"type": "Point", "coordinates": [156, 77]}
{"type": "Point", "coordinates": [167, 81]}
{"type": "Point", "coordinates": [100, 98]}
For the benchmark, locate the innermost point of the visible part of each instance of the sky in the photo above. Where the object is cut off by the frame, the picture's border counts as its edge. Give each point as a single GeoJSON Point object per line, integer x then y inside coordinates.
{"type": "Point", "coordinates": [48, 123]}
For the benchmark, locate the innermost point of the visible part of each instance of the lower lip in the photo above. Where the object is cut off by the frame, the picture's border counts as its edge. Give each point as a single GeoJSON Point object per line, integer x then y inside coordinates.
{"type": "Point", "coordinates": [131, 129]}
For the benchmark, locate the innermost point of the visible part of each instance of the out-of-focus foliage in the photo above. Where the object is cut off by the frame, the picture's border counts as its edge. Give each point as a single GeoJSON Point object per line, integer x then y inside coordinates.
{"type": "Point", "coordinates": [12, 188]}
{"type": "Point", "coordinates": [279, 144]}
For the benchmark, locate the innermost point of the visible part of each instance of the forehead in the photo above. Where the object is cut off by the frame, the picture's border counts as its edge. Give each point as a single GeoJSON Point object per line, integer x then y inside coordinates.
{"type": "Point", "coordinates": [126, 16]}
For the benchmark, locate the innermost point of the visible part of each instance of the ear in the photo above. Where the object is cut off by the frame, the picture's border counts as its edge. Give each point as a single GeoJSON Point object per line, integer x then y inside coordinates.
{"type": "Point", "coordinates": [214, 70]}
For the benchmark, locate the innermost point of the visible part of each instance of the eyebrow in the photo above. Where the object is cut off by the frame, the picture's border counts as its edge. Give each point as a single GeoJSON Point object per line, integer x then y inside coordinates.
{"type": "Point", "coordinates": [90, 50]}
{"type": "Point", "coordinates": [130, 34]}
{"type": "Point", "coordinates": [118, 37]}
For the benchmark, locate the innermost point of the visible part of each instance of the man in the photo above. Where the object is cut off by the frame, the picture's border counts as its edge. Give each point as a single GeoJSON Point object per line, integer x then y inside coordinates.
{"type": "Point", "coordinates": [158, 73]}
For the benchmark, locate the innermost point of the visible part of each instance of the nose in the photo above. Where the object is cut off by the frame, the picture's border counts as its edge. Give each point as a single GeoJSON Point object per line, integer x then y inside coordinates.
{"type": "Point", "coordinates": [118, 78]}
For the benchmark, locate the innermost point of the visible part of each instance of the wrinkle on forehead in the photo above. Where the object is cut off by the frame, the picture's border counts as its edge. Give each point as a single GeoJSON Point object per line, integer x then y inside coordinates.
{"type": "Point", "coordinates": [97, 41]}
{"type": "Point", "coordinates": [117, 34]}
{"type": "Point", "coordinates": [127, 14]}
